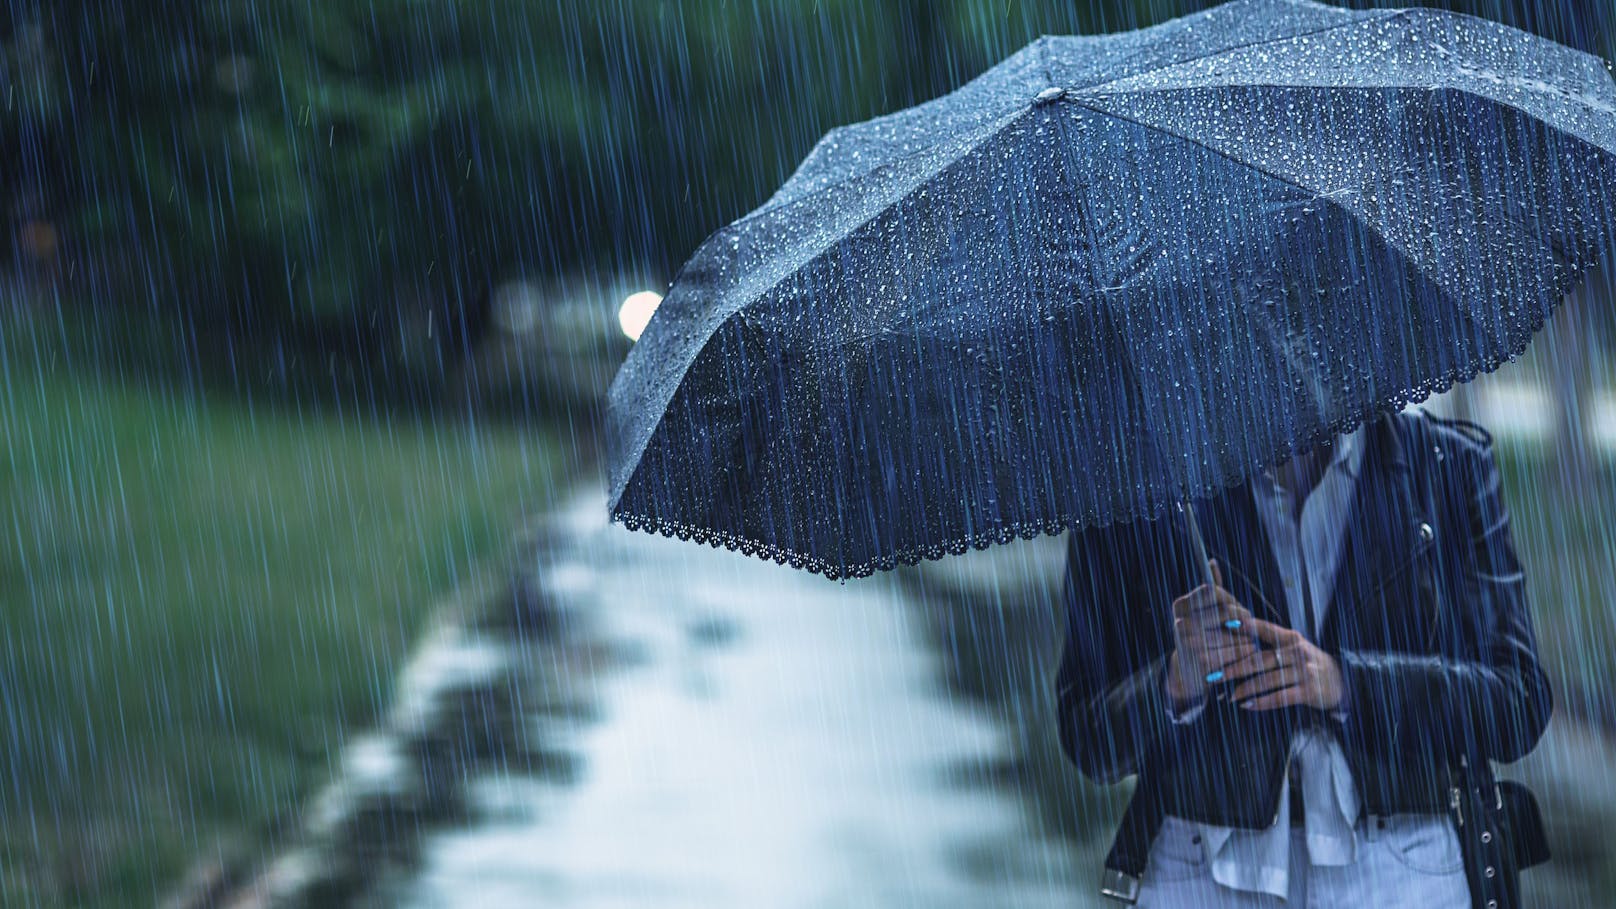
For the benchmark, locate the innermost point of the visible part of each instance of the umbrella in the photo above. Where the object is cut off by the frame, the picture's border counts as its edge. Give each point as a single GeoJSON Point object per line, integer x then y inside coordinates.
{"type": "Point", "coordinates": [1110, 274]}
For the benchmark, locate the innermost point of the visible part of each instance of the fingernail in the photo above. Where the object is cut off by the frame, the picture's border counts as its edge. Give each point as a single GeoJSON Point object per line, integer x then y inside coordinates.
{"type": "Point", "coordinates": [1232, 624]}
{"type": "Point", "coordinates": [1215, 675]}
{"type": "Point", "coordinates": [1246, 704]}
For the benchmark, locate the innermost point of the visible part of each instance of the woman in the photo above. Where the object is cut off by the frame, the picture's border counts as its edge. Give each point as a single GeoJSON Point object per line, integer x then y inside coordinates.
{"type": "Point", "coordinates": [1300, 726]}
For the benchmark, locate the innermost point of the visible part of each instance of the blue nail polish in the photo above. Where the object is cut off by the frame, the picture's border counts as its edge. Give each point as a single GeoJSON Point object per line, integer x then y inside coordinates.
{"type": "Point", "coordinates": [1232, 624]}
{"type": "Point", "coordinates": [1215, 675]}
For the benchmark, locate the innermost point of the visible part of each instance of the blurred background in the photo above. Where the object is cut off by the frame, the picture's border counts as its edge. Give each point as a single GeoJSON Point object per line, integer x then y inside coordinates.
{"type": "Point", "coordinates": [307, 313]}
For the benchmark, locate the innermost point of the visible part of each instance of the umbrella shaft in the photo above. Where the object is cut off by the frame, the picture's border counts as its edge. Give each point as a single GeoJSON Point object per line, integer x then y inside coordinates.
{"type": "Point", "coordinates": [1196, 542]}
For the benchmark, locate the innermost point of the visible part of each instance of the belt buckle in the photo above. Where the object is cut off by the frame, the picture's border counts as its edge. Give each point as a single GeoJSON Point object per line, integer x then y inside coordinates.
{"type": "Point", "coordinates": [1119, 886]}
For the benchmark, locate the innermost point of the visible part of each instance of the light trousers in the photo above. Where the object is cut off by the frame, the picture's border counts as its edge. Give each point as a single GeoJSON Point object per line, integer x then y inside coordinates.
{"type": "Point", "coordinates": [1404, 860]}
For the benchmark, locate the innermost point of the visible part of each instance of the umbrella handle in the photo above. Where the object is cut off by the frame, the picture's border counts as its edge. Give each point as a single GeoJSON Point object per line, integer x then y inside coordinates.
{"type": "Point", "coordinates": [1196, 542]}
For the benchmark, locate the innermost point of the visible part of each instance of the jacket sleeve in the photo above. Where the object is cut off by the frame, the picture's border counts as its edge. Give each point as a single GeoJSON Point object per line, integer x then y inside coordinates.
{"type": "Point", "coordinates": [1485, 693]}
{"type": "Point", "coordinates": [1117, 600]}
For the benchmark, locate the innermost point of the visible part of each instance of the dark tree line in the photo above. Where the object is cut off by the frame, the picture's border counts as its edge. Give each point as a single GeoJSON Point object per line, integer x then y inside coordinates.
{"type": "Point", "coordinates": [352, 177]}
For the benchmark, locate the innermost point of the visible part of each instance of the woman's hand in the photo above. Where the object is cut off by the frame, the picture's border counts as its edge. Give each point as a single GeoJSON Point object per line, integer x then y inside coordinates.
{"type": "Point", "coordinates": [1289, 671]}
{"type": "Point", "coordinates": [1211, 632]}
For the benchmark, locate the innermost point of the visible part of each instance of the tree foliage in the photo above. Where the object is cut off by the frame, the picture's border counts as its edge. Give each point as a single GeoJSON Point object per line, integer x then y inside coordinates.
{"type": "Point", "coordinates": [359, 173]}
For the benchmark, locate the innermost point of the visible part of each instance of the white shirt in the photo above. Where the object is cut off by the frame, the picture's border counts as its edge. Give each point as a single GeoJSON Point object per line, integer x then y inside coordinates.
{"type": "Point", "coordinates": [1310, 549]}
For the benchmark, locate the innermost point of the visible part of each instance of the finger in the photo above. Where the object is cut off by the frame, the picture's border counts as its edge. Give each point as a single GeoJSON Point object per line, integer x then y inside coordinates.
{"type": "Point", "coordinates": [1274, 635]}
{"type": "Point", "coordinates": [1215, 648]}
{"type": "Point", "coordinates": [1221, 662]}
{"type": "Point", "coordinates": [1257, 661]}
{"type": "Point", "coordinates": [1217, 572]}
{"type": "Point", "coordinates": [1209, 600]}
{"type": "Point", "coordinates": [1214, 635]}
{"type": "Point", "coordinates": [1293, 696]}
{"type": "Point", "coordinates": [1265, 682]}
{"type": "Point", "coordinates": [1203, 597]}
{"type": "Point", "coordinates": [1228, 647]}
{"type": "Point", "coordinates": [1234, 617]}
{"type": "Point", "coordinates": [1216, 644]}
{"type": "Point", "coordinates": [1220, 644]}
{"type": "Point", "coordinates": [1209, 633]}
{"type": "Point", "coordinates": [1216, 662]}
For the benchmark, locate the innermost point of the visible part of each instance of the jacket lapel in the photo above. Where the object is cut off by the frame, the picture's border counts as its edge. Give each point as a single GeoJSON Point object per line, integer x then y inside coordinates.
{"type": "Point", "coordinates": [1379, 532]}
{"type": "Point", "coordinates": [1236, 538]}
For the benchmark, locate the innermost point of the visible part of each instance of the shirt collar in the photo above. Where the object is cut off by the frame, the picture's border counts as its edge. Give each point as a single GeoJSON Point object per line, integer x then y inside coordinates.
{"type": "Point", "coordinates": [1348, 454]}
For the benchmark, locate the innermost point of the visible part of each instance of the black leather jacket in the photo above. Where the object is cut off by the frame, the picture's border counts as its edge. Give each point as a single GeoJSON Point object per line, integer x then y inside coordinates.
{"type": "Point", "coordinates": [1428, 621]}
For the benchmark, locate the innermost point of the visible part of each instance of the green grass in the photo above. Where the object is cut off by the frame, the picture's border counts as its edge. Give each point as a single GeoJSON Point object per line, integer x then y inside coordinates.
{"type": "Point", "coordinates": [201, 598]}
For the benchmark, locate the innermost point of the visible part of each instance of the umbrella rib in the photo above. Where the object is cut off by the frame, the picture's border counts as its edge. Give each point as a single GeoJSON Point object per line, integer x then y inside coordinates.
{"type": "Point", "coordinates": [1592, 105]}
{"type": "Point", "coordinates": [1324, 197]}
{"type": "Point", "coordinates": [1002, 121]}
{"type": "Point", "coordinates": [754, 294]}
{"type": "Point", "coordinates": [998, 128]}
{"type": "Point", "coordinates": [1412, 261]}
{"type": "Point", "coordinates": [1408, 259]}
{"type": "Point", "coordinates": [1043, 57]}
{"type": "Point", "coordinates": [1106, 80]}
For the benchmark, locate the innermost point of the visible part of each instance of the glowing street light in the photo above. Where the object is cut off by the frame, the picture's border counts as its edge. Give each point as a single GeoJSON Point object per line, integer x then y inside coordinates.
{"type": "Point", "coordinates": [636, 312]}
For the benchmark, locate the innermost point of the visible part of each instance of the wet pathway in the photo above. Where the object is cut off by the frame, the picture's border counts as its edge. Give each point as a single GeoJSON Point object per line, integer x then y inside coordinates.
{"type": "Point", "coordinates": [779, 741]}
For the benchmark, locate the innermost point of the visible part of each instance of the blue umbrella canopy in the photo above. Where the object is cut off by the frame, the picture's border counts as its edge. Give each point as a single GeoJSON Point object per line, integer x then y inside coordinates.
{"type": "Point", "coordinates": [1111, 273]}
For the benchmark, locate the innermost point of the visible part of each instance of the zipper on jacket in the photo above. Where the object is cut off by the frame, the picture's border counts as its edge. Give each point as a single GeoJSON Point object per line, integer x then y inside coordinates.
{"type": "Point", "coordinates": [1423, 547]}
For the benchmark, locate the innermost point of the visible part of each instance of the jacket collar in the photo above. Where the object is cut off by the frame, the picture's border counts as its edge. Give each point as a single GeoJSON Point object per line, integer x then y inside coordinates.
{"type": "Point", "coordinates": [1383, 439]}
{"type": "Point", "coordinates": [1347, 455]}
{"type": "Point", "coordinates": [1379, 529]}
{"type": "Point", "coordinates": [1373, 540]}
{"type": "Point", "coordinates": [1349, 452]}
